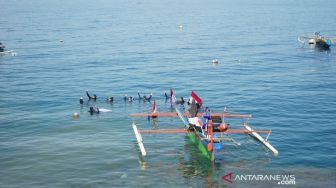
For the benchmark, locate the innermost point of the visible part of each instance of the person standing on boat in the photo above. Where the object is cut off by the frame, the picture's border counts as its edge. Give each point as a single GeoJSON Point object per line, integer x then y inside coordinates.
{"type": "Point", "coordinates": [193, 108]}
{"type": "Point", "coordinates": [194, 97]}
{"type": "Point", "coordinates": [94, 97]}
{"type": "Point", "coordinates": [206, 114]}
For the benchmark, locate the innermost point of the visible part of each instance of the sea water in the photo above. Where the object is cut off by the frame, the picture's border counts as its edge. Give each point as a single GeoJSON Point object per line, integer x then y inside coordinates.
{"type": "Point", "coordinates": [117, 48]}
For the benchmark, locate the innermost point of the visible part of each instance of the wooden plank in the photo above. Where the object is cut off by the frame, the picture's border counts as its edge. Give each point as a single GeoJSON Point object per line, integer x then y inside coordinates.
{"type": "Point", "coordinates": [164, 131]}
{"type": "Point", "coordinates": [246, 131]}
{"type": "Point", "coordinates": [173, 114]}
{"type": "Point", "coordinates": [184, 131]}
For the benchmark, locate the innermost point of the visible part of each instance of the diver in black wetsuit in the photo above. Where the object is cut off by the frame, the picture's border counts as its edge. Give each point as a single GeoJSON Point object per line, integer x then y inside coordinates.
{"type": "Point", "coordinates": [129, 99]}
{"type": "Point", "coordinates": [167, 97]}
{"type": "Point", "coordinates": [145, 98]}
{"type": "Point", "coordinates": [93, 110]}
{"type": "Point", "coordinates": [81, 100]}
{"type": "Point", "coordinates": [181, 101]}
{"type": "Point", "coordinates": [94, 97]}
{"type": "Point", "coordinates": [2, 47]}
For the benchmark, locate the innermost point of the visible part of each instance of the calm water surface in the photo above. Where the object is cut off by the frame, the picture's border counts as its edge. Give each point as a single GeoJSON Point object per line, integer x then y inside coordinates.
{"type": "Point", "coordinates": [113, 48]}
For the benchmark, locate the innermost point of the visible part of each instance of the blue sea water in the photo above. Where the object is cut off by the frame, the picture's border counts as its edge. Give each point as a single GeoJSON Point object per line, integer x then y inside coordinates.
{"type": "Point", "coordinates": [113, 48]}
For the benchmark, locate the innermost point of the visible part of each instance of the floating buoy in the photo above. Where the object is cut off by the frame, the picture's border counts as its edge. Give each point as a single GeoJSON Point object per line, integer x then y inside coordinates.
{"type": "Point", "coordinates": [215, 61]}
{"type": "Point", "coordinates": [123, 176]}
{"type": "Point", "coordinates": [181, 27]}
{"type": "Point", "coordinates": [75, 115]}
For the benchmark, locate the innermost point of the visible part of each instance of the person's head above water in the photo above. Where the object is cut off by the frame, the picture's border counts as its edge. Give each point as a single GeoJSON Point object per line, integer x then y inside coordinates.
{"type": "Point", "coordinates": [110, 99]}
{"type": "Point", "coordinates": [94, 97]}
{"type": "Point", "coordinates": [130, 99]}
{"type": "Point", "coordinates": [91, 109]}
{"type": "Point", "coordinates": [81, 100]}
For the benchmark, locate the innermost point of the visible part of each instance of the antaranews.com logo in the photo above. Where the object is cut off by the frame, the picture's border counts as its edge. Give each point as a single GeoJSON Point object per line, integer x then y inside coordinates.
{"type": "Point", "coordinates": [280, 179]}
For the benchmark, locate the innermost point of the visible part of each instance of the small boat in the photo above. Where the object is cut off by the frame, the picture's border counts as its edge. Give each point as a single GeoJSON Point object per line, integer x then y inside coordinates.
{"type": "Point", "coordinates": [317, 40]}
{"type": "Point", "coordinates": [208, 131]}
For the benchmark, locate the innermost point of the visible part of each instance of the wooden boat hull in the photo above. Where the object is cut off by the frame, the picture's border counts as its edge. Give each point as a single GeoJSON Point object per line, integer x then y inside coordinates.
{"type": "Point", "coordinates": [201, 145]}
{"type": "Point", "coordinates": [195, 138]}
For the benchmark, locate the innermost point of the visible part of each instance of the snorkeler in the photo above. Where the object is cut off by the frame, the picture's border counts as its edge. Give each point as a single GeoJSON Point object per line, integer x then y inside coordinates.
{"type": "Point", "coordinates": [170, 97]}
{"type": "Point", "coordinates": [129, 99]}
{"type": "Point", "coordinates": [181, 101]}
{"type": "Point", "coordinates": [94, 110]}
{"type": "Point", "coordinates": [94, 97]}
{"type": "Point", "coordinates": [166, 95]}
{"type": "Point", "coordinates": [2, 47]}
{"type": "Point", "coordinates": [109, 99]}
{"type": "Point", "coordinates": [145, 98]}
{"type": "Point", "coordinates": [81, 100]}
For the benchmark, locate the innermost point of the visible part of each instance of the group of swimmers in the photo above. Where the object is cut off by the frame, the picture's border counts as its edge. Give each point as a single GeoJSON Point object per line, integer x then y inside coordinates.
{"type": "Point", "coordinates": [130, 99]}
{"type": "Point", "coordinates": [143, 98]}
{"type": "Point", "coordinates": [181, 101]}
{"type": "Point", "coordinates": [110, 99]}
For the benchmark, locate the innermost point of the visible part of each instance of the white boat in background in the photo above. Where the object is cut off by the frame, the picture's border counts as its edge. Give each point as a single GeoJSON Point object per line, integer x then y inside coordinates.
{"type": "Point", "coordinates": [9, 52]}
{"type": "Point", "coordinates": [3, 51]}
{"type": "Point", "coordinates": [317, 40]}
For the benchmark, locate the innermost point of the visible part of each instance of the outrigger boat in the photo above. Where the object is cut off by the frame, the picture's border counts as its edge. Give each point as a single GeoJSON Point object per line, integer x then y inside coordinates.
{"type": "Point", "coordinates": [317, 40]}
{"type": "Point", "coordinates": [207, 130]}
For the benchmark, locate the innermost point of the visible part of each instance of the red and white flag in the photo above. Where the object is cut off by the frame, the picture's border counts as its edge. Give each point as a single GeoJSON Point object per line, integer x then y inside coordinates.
{"type": "Point", "coordinates": [195, 97]}
{"type": "Point", "coordinates": [154, 107]}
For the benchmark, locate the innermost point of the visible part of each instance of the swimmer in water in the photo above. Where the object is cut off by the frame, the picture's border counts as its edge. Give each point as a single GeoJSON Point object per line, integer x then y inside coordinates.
{"type": "Point", "coordinates": [2, 47]}
{"type": "Point", "coordinates": [145, 98]}
{"type": "Point", "coordinates": [94, 97]}
{"type": "Point", "coordinates": [129, 99]}
{"type": "Point", "coordinates": [170, 97]}
{"type": "Point", "coordinates": [181, 101]}
{"type": "Point", "coordinates": [109, 99]}
{"type": "Point", "coordinates": [94, 110]}
{"type": "Point", "coordinates": [81, 100]}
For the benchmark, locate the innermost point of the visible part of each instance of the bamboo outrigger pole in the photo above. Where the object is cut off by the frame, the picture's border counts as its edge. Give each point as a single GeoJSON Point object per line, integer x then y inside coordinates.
{"type": "Point", "coordinates": [139, 139]}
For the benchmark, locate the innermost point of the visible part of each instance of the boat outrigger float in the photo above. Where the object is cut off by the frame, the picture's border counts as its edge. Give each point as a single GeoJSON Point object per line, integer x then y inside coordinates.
{"type": "Point", "coordinates": [207, 130]}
